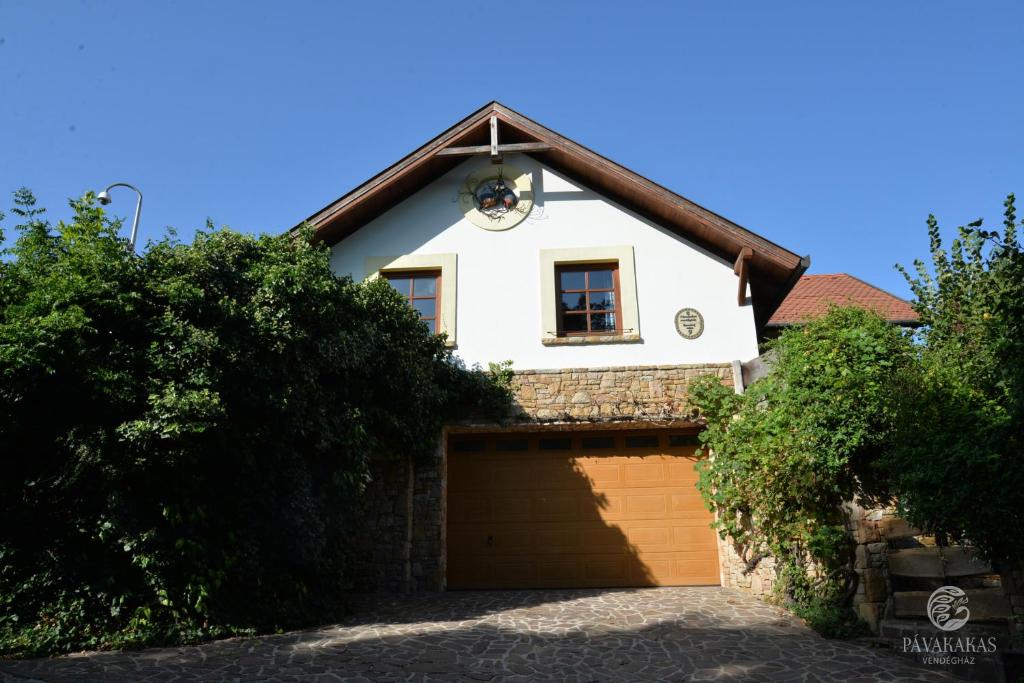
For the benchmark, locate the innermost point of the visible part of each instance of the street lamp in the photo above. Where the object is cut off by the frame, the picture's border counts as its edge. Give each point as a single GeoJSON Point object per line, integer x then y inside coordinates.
{"type": "Point", "coordinates": [105, 199]}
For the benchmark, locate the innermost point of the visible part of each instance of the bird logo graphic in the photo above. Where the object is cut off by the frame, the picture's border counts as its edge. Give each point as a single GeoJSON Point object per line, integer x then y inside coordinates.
{"type": "Point", "coordinates": [947, 608]}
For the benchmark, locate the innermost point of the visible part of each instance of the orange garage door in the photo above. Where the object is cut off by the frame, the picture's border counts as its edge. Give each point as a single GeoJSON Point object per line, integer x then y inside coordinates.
{"type": "Point", "coordinates": [577, 510]}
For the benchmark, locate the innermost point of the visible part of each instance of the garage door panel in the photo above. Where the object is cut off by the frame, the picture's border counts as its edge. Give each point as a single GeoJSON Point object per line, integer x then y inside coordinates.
{"type": "Point", "coordinates": [511, 508]}
{"type": "Point", "coordinates": [694, 537]}
{"type": "Point", "coordinates": [597, 537]}
{"type": "Point", "coordinates": [641, 473]}
{"type": "Point", "coordinates": [553, 507]}
{"type": "Point", "coordinates": [657, 571]}
{"type": "Point", "coordinates": [611, 517]}
{"type": "Point", "coordinates": [696, 569]}
{"type": "Point", "coordinates": [600, 472]}
{"type": "Point", "coordinates": [595, 505]}
{"type": "Point", "coordinates": [604, 568]}
{"type": "Point", "coordinates": [465, 543]}
{"type": "Point", "coordinates": [688, 504]}
{"type": "Point", "coordinates": [682, 471]}
{"type": "Point", "coordinates": [511, 540]}
{"type": "Point", "coordinates": [564, 540]}
{"type": "Point", "coordinates": [559, 573]}
{"type": "Point", "coordinates": [469, 508]}
{"type": "Point", "coordinates": [647, 504]}
{"type": "Point", "coordinates": [511, 572]}
{"type": "Point", "coordinates": [654, 538]}
{"type": "Point", "coordinates": [507, 477]}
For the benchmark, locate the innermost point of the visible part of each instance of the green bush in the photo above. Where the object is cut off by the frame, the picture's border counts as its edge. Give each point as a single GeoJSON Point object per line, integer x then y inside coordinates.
{"type": "Point", "coordinates": [787, 453]}
{"type": "Point", "coordinates": [856, 408]}
{"type": "Point", "coordinates": [185, 432]}
{"type": "Point", "coordinates": [830, 616]}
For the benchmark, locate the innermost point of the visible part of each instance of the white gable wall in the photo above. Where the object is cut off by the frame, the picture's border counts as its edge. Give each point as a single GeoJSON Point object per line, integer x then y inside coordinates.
{"type": "Point", "coordinates": [499, 281]}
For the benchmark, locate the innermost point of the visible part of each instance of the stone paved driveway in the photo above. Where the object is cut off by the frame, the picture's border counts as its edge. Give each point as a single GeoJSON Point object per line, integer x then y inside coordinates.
{"type": "Point", "coordinates": [655, 634]}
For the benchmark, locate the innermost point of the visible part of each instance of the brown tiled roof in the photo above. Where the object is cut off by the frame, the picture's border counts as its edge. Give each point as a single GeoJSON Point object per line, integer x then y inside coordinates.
{"type": "Point", "coordinates": [813, 293]}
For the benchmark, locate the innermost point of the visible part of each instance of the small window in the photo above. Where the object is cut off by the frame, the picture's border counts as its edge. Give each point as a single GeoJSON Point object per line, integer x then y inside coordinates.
{"type": "Point", "coordinates": [683, 440]}
{"type": "Point", "coordinates": [423, 290]}
{"type": "Point", "coordinates": [598, 442]}
{"type": "Point", "coordinates": [556, 444]}
{"type": "Point", "coordinates": [468, 446]}
{"type": "Point", "coordinates": [512, 445]}
{"type": "Point", "coordinates": [588, 299]}
{"type": "Point", "coordinates": [642, 441]}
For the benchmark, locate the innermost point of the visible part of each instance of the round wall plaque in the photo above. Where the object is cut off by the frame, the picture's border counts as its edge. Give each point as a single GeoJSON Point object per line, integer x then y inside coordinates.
{"type": "Point", "coordinates": [497, 197]}
{"type": "Point", "coordinates": [689, 323]}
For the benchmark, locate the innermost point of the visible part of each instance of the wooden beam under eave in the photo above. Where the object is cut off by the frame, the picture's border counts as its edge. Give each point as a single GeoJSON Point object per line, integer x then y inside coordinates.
{"type": "Point", "coordinates": [495, 154]}
{"type": "Point", "coordinates": [741, 268]}
{"type": "Point", "coordinates": [486, 149]}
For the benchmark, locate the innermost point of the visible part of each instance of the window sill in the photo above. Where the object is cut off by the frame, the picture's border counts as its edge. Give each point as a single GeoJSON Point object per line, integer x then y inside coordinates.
{"type": "Point", "coordinates": [595, 339]}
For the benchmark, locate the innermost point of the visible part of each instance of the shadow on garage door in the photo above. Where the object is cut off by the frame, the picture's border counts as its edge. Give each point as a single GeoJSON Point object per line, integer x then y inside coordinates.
{"type": "Point", "coordinates": [577, 509]}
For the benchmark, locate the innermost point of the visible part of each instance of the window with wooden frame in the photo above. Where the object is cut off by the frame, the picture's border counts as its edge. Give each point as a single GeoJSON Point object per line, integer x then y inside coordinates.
{"type": "Point", "coordinates": [423, 290]}
{"type": "Point", "coordinates": [588, 299]}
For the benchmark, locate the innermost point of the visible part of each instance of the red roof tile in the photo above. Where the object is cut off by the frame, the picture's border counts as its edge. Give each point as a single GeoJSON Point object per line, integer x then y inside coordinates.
{"type": "Point", "coordinates": [813, 293]}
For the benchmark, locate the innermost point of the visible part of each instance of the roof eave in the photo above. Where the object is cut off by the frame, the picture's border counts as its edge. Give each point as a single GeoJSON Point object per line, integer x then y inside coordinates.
{"type": "Point", "coordinates": [900, 323]}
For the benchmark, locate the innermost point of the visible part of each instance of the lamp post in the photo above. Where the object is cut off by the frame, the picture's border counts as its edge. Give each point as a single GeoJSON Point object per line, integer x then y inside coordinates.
{"type": "Point", "coordinates": [105, 199]}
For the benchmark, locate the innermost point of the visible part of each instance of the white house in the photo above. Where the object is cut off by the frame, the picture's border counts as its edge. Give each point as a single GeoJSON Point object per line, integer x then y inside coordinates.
{"type": "Point", "coordinates": [608, 293]}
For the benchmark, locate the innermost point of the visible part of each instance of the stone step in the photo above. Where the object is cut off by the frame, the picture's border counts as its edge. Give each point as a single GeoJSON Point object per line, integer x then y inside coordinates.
{"type": "Point", "coordinates": [890, 528]}
{"type": "Point", "coordinates": [929, 562]}
{"type": "Point", "coordinates": [984, 604]}
{"type": "Point", "coordinates": [906, 584]}
{"type": "Point", "coordinates": [891, 627]}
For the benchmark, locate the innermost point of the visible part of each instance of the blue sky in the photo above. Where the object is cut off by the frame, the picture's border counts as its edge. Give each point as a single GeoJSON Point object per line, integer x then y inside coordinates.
{"type": "Point", "coordinates": [832, 129]}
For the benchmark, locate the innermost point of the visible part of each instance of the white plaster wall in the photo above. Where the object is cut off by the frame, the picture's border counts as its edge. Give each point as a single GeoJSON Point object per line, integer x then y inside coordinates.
{"type": "Point", "coordinates": [499, 307]}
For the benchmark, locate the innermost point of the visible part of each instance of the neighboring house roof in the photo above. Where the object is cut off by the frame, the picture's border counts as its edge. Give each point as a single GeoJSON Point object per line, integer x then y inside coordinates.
{"type": "Point", "coordinates": [813, 294]}
{"type": "Point", "coordinates": [773, 269]}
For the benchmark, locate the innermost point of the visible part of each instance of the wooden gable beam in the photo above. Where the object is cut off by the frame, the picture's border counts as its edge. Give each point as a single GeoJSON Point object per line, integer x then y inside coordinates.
{"type": "Point", "coordinates": [495, 149]}
{"type": "Point", "coordinates": [502, 149]}
{"type": "Point", "coordinates": [741, 268]}
{"type": "Point", "coordinates": [495, 154]}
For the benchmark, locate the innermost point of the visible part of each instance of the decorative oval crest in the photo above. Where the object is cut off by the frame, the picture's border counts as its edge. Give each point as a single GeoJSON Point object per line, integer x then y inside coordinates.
{"type": "Point", "coordinates": [947, 608]}
{"type": "Point", "coordinates": [689, 323]}
{"type": "Point", "coordinates": [497, 198]}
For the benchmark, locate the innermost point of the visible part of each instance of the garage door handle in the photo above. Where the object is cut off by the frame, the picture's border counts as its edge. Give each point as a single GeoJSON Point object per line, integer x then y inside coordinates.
{"type": "Point", "coordinates": [490, 540]}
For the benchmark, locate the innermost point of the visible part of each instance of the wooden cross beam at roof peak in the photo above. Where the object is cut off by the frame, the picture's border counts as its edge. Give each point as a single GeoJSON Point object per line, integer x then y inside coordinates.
{"type": "Point", "coordinates": [495, 149]}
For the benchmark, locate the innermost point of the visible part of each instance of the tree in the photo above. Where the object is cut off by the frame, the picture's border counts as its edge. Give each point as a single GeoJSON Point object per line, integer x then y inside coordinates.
{"type": "Point", "coordinates": [957, 468]}
{"type": "Point", "coordinates": [185, 432]}
{"type": "Point", "coordinates": [787, 453]}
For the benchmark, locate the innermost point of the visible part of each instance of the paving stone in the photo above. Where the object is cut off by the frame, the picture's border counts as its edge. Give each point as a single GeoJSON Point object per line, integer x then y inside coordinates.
{"type": "Point", "coordinates": [659, 634]}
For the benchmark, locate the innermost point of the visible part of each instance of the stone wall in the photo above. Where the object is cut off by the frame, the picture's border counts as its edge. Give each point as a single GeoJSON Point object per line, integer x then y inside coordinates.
{"type": "Point", "coordinates": [428, 522]}
{"type": "Point", "coordinates": [399, 545]}
{"type": "Point", "coordinates": [868, 529]}
{"type": "Point", "coordinates": [380, 545]}
{"type": "Point", "coordinates": [757, 578]}
{"type": "Point", "coordinates": [1012, 577]}
{"type": "Point", "coordinates": [609, 394]}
